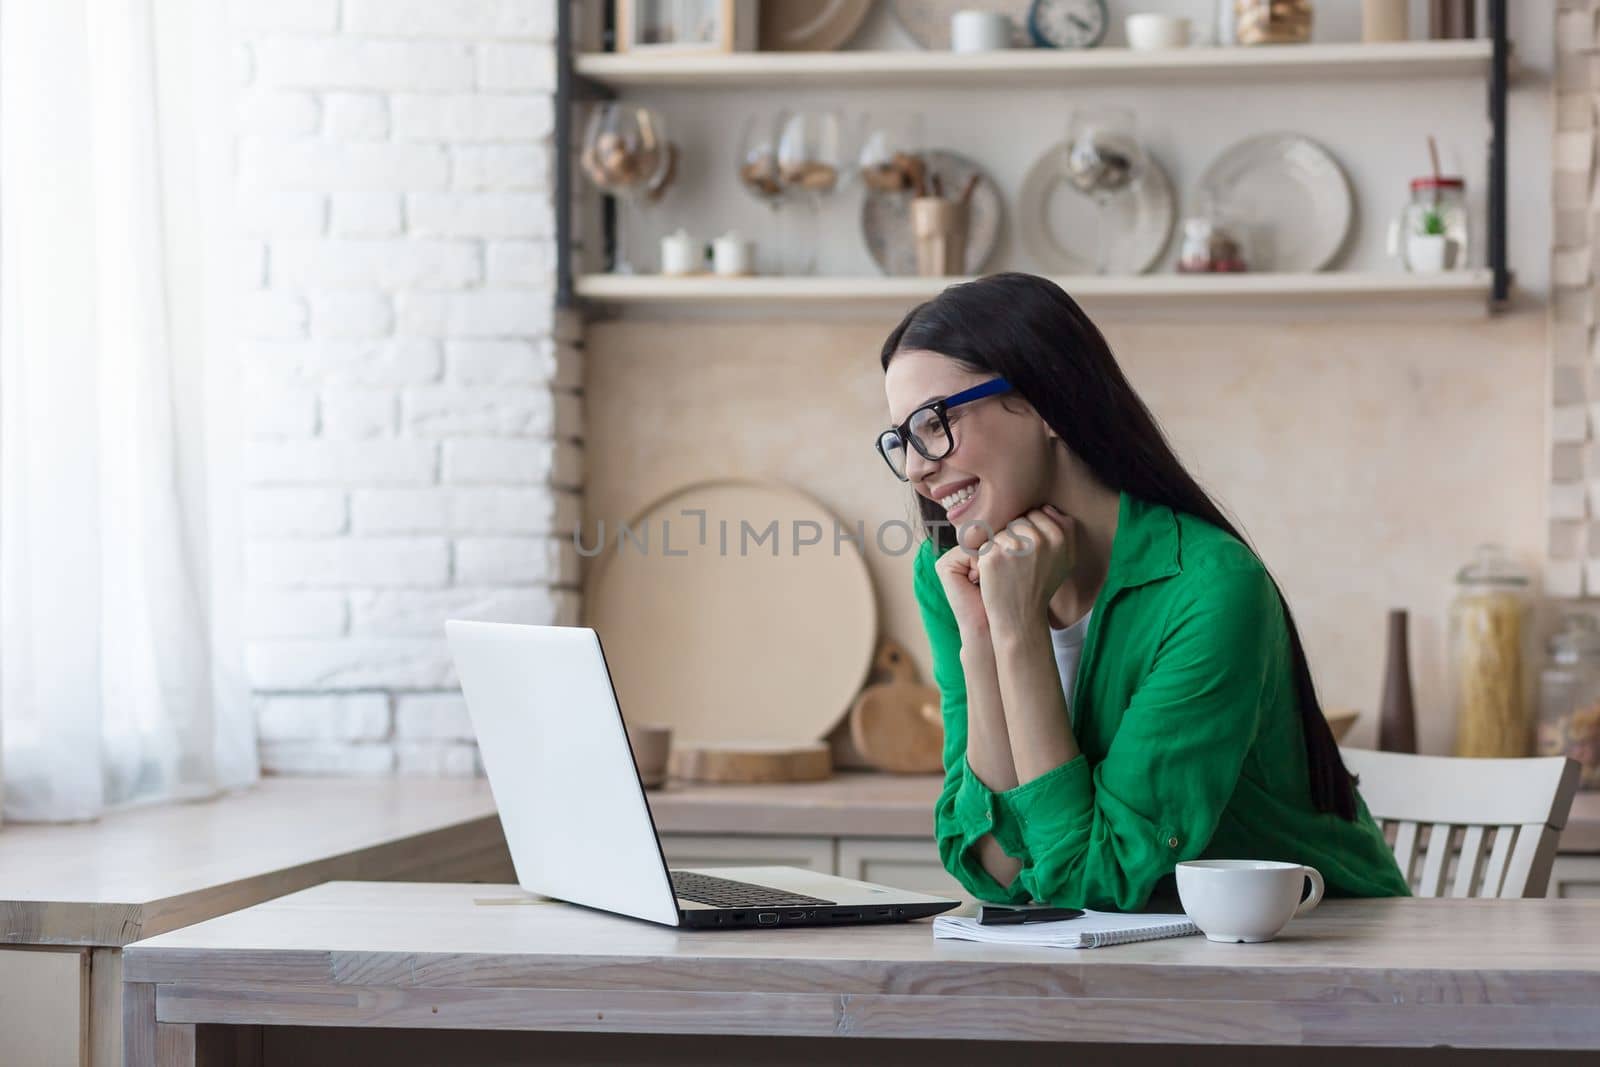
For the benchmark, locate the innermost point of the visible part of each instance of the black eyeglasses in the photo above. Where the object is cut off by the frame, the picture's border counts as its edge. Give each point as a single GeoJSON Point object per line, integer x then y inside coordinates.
{"type": "Point", "coordinates": [927, 429]}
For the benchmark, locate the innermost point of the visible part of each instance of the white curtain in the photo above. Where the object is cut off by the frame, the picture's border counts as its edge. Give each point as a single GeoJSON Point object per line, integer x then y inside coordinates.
{"type": "Point", "coordinates": [121, 667]}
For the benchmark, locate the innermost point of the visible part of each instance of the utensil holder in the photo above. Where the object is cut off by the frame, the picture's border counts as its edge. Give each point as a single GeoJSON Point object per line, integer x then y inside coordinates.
{"type": "Point", "coordinates": [652, 749]}
{"type": "Point", "coordinates": [939, 226]}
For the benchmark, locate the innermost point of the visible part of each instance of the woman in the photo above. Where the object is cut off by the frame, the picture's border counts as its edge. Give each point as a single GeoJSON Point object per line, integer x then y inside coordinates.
{"type": "Point", "coordinates": [1123, 685]}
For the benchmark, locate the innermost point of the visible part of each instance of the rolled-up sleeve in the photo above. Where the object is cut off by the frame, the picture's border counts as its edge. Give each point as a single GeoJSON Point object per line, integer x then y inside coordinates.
{"type": "Point", "coordinates": [1102, 837]}
{"type": "Point", "coordinates": [967, 809]}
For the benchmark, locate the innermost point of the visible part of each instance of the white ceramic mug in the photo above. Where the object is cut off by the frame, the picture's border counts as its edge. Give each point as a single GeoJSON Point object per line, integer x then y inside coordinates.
{"type": "Point", "coordinates": [979, 31]}
{"type": "Point", "coordinates": [1148, 33]}
{"type": "Point", "coordinates": [1245, 900]}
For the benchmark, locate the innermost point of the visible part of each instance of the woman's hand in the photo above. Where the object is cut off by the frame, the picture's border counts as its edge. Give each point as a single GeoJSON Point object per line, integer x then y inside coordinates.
{"type": "Point", "coordinates": [1023, 567]}
{"type": "Point", "coordinates": [958, 573]}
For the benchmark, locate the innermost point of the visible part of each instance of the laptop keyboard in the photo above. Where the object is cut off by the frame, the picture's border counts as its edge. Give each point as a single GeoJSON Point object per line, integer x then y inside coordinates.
{"type": "Point", "coordinates": [726, 893]}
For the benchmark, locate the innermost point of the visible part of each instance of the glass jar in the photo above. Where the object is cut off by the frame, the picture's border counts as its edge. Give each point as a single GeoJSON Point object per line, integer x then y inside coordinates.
{"type": "Point", "coordinates": [1209, 246]}
{"type": "Point", "coordinates": [1489, 630]}
{"type": "Point", "coordinates": [1272, 21]}
{"type": "Point", "coordinates": [1569, 698]}
{"type": "Point", "coordinates": [1431, 233]}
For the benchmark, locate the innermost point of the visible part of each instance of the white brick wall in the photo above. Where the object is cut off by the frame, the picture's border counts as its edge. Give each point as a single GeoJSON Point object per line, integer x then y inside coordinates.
{"type": "Point", "coordinates": [416, 450]}
{"type": "Point", "coordinates": [1573, 569]}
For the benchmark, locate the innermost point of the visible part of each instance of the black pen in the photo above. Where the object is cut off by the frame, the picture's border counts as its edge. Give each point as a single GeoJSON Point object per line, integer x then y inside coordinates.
{"type": "Point", "coordinates": [994, 916]}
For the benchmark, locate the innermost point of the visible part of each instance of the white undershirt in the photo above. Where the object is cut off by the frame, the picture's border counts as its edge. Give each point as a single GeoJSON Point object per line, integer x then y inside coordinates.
{"type": "Point", "coordinates": [1068, 644]}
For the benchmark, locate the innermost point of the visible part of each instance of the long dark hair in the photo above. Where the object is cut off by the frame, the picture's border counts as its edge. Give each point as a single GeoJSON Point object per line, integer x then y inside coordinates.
{"type": "Point", "coordinates": [1027, 330]}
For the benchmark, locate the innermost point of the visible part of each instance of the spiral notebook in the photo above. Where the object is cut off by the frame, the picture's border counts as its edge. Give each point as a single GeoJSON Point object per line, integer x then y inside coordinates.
{"type": "Point", "coordinates": [1093, 929]}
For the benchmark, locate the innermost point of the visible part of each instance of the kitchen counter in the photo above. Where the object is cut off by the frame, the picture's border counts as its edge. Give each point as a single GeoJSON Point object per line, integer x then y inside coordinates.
{"type": "Point", "coordinates": [868, 804]}
{"type": "Point", "coordinates": [850, 804]}
{"type": "Point", "coordinates": [140, 872]}
{"type": "Point", "coordinates": [71, 895]}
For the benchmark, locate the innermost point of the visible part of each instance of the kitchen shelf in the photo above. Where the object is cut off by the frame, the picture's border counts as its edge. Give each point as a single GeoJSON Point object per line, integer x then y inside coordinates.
{"type": "Point", "coordinates": [587, 76]}
{"type": "Point", "coordinates": [1039, 67]}
{"type": "Point", "coordinates": [1464, 290]}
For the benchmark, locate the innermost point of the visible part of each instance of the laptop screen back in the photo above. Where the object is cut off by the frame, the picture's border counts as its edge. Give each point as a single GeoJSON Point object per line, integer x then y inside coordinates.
{"type": "Point", "coordinates": [556, 753]}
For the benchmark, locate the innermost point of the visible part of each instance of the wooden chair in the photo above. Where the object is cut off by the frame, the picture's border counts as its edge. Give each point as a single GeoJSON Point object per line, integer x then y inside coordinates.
{"type": "Point", "coordinates": [1487, 827]}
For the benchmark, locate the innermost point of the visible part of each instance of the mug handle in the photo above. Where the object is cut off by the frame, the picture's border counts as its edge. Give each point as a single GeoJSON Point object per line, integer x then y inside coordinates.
{"type": "Point", "coordinates": [1316, 891]}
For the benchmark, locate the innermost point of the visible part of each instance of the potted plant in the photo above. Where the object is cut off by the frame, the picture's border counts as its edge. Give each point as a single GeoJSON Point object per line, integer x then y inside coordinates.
{"type": "Point", "coordinates": [1429, 249]}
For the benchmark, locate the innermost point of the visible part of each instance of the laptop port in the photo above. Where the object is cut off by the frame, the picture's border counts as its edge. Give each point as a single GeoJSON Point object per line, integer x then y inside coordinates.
{"type": "Point", "coordinates": [841, 916]}
{"type": "Point", "coordinates": [767, 918]}
{"type": "Point", "coordinates": [884, 913]}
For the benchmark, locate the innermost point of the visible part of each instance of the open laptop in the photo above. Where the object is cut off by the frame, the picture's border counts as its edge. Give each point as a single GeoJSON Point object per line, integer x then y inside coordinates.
{"type": "Point", "coordinates": [574, 810]}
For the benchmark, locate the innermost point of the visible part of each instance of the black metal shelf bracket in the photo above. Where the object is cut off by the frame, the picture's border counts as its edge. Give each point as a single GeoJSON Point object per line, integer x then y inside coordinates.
{"type": "Point", "coordinates": [1500, 285]}
{"type": "Point", "coordinates": [565, 297]}
{"type": "Point", "coordinates": [571, 88]}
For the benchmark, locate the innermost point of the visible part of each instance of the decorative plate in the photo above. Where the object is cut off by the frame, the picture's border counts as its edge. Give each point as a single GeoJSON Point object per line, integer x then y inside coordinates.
{"type": "Point", "coordinates": [809, 25]}
{"type": "Point", "coordinates": [1059, 225]}
{"type": "Point", "coordinates": [1288, 194]}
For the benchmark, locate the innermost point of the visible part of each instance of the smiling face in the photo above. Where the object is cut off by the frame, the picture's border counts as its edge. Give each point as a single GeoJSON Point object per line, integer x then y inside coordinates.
{"type": "Point", "coordinates": [1002, 463]}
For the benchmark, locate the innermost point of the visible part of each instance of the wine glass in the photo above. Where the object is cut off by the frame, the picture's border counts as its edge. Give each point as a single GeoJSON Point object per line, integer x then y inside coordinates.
{"type": "Point", "coordinates": [1104, 160]}
{"type": "Point", "coordinates": [811, 164]}
{"type": "Point", "coordinates": [758, 174]}
{"type": "Point", "coordinates": [626, 154]}
{"type": "Point", "coordinates": [888, 160]}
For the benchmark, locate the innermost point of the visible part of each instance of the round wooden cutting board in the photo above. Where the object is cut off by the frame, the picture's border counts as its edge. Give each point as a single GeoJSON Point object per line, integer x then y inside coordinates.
{"type": "Point", "coordinates": [728, 628]}
{"type": "Point", "coordinates": [743, 761]}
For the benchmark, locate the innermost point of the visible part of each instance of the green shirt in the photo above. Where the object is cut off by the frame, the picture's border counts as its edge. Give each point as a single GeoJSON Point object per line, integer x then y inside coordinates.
{"type": "Point", "coordinates": [1190, 741]}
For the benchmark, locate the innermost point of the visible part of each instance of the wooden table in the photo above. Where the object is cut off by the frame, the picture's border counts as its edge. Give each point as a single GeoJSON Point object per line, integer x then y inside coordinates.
{"type": "Point", "coordinates": [379, 970]}
{"type": "Point", "coordinates": [72, 895]}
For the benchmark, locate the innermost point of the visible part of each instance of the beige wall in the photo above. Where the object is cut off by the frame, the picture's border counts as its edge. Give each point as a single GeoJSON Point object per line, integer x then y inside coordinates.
{"type": "Point", "coordinates": [1364, 460]}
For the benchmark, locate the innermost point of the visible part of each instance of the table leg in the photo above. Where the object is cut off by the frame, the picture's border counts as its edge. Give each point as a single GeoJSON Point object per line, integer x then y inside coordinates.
{"type": "Point", "coordinates": [105, 1007]}
{"type": "Point", "coordinates": [147, 1042]}
{"type": "Point", "coordinates": [175, 1045]}
{"type": "Point", "coordinates": [138, 1024]}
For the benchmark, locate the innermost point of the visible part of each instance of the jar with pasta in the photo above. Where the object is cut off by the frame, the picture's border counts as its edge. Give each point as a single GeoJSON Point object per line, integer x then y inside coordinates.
{"type": "Point", "coordinates": [1569, 697]}
{"type": "Point", "coordinates": [1488, 657]}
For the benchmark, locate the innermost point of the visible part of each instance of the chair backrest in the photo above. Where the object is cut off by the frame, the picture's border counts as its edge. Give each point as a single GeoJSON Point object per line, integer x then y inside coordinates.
{"type": "Point", "coordinates": [1484, 827]}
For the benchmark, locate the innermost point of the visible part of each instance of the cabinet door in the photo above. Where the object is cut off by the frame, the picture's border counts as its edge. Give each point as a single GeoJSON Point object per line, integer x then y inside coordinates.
{"type": "Point", "coordinates": [903, 863]}
{"type": "Point", "coordinates": [735, 850]}
{"type": "Point", "coordinates": [44, 1001]}
{"type": "Point", "coordinates": [1575, 876]}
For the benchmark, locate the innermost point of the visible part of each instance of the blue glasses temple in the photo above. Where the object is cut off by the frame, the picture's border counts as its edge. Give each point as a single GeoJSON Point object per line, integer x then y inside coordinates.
{"type": "Point", "coordinates": [978, 392]}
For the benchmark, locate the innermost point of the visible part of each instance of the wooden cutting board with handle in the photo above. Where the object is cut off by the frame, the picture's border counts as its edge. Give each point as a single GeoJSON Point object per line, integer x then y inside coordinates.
{"type": "Point", "coordinates": [896, 725]}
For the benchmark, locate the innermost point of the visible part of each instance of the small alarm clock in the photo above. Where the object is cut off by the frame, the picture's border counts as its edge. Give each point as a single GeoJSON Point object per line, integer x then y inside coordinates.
{"type": "Point", "coordinates": [1067, 23]}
